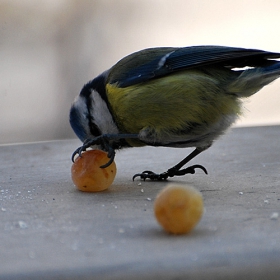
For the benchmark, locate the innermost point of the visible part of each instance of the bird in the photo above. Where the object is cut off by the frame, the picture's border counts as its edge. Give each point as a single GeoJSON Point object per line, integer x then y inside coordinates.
{"type": "Point", "coordinates": [182, 97]}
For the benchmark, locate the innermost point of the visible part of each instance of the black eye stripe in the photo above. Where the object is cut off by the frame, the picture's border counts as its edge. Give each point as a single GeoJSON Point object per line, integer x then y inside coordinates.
{"type": "Point", "coordinates": [92, 88]}
{"type": "Point", "coordinates": [86, 94]}
{"type": "Point", "coordinates": [93, 128]}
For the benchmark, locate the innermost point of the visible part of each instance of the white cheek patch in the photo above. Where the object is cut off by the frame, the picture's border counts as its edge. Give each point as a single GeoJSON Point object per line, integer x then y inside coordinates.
{"type": "Point", "coordinates": [101, 115]}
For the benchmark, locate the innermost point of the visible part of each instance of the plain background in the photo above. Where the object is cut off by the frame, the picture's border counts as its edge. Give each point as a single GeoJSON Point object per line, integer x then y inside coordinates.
{"type": "Point", "coordinates": [50, 49]}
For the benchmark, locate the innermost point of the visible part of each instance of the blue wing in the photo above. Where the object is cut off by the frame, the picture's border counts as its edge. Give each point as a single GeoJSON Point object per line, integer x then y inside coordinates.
{"type": "Point", "coordinates": [157, 62]}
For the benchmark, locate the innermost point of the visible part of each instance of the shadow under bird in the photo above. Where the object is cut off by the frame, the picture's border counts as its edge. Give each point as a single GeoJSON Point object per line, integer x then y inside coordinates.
{"type": "Point", "coordinates": [171, 97]}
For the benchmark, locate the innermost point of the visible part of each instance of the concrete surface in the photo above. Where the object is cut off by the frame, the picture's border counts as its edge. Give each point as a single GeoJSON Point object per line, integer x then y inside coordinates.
{"type": "Point", "coordinates": [49, 230]}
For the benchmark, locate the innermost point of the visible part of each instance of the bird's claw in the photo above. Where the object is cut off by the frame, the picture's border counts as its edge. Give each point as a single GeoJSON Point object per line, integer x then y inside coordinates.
{"type": "Point", "coordinates": [111, 155]}
{"type": "Point", "coordinates": [101, 140]}
{"type": "Point", "coordinates": [189, 170]}
{"type": "Point", "coordinates": [169, 173]}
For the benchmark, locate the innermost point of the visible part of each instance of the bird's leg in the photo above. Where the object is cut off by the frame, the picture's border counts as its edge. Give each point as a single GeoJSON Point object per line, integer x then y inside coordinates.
{"type": "Point", "coordinates": [104, 141]}
{"type": "Point", "coordinates": [175, 170]}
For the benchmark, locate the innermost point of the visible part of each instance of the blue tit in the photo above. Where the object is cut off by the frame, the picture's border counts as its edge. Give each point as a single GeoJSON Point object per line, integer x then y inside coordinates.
{"type": "Point", "coordinates": [170, 97]}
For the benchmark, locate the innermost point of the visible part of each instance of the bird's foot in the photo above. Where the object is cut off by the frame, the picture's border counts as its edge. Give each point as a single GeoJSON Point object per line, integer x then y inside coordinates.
{"type": "Point", "coordinates": [169, 173]}
{"type": "Point", "coordinates": [102, 140]}
{"type": "Point", "coordinates": [151, 175]}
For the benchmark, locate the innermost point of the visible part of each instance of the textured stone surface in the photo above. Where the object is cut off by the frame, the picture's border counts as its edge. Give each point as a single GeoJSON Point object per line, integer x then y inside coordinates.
{"type": "Point", "coordinates": [50, 230]}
